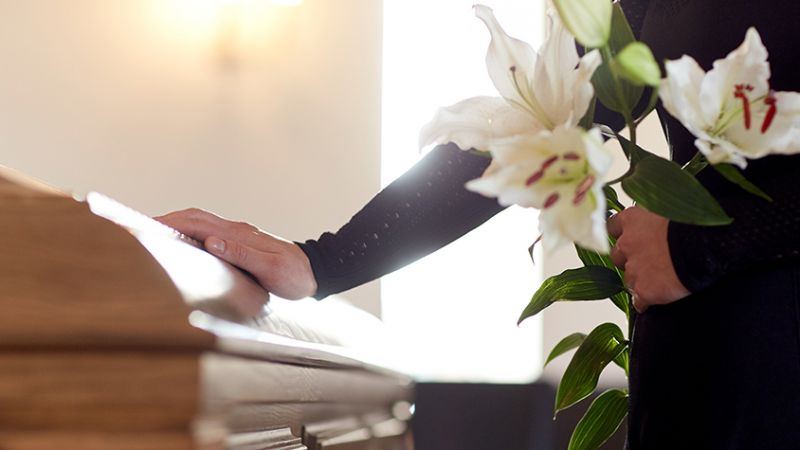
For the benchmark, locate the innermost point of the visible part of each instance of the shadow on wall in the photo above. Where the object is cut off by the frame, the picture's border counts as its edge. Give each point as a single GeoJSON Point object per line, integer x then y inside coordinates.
{"type": "Point", "coordinates": [495, 417]}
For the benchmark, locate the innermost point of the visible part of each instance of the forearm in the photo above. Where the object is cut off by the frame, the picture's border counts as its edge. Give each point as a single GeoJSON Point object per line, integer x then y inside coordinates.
{"type": "Point", "coordinates": [762, 232]}
{"type": "Point", "coordinates": [423, 210]}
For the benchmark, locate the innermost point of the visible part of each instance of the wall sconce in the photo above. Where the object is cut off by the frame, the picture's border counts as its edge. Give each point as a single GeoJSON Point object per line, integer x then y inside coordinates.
{"type": "Point", "coordinates": [231, 25]}
{"type": "Point", "coordinates": [235, 26]}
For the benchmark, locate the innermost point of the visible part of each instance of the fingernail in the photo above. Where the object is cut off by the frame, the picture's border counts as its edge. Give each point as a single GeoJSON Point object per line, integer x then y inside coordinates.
{"type": "Point", "coordinates": [216, 245]}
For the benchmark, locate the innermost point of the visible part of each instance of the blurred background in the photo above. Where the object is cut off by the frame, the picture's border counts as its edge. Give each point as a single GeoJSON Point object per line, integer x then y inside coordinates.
{"type": "Point", "coordinates": [291, 115]}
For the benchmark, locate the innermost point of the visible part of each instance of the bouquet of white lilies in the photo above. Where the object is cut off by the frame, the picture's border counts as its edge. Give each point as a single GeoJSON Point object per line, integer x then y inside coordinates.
{"type": "Point", "coordinates": [547, 153]}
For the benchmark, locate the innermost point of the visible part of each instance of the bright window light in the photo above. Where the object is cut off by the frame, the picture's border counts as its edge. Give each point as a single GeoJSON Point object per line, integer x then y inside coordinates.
{"type": "Point", "coordinates": [457, 309]}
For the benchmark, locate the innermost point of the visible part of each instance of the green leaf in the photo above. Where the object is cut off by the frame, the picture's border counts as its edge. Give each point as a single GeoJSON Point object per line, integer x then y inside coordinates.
{"type": "Point", "coordinates": [636, 64]}
{"type": "Point", "coordinates": [585, 283]}
{"type": "Point", "coordinates": [588, 20]}
{"type": "Point", "coordinates": [599, 348]}
{"type": "Point", "coordinates": [566, 344]}
{"type": "Point", "coordinates": [601, 420]}
{"type": "Point", "coordinates": [623, 360]}
{"type": "Point", "coordinates": [612, 199]}
{"type": "Point", "coordinates": [603, 78]}
{"type": "Point", "coordinates": [660, 186]}
{"type": "Point", "coordinates": [696, 164]}
{"type": "Point", "coordinates": [593, 258]}
{"type": "Point", "coordinates": [732, 174]}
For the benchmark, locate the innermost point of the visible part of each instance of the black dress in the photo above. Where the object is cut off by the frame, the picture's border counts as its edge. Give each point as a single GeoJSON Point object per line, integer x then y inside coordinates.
{"type": "Point", "coordinates": [719, 369]}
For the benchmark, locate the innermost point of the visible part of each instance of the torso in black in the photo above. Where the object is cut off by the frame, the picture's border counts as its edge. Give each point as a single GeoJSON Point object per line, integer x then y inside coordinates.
{"type": "Point", "coordinates": [717, 370]}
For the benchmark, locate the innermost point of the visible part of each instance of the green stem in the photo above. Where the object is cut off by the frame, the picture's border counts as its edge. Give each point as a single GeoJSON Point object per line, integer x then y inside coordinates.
{"type": "Point", "coordinates": [651, 105]}
{"type": "Point", "coordinates": [605, 51]}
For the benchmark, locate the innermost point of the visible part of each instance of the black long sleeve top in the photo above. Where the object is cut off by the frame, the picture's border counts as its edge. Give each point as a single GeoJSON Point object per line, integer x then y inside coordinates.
{"type": "Point", "coordinates": [428, 207]}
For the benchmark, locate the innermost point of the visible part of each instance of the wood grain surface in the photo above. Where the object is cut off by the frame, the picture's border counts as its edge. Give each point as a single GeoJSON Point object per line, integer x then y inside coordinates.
{"type": "Point", "coordinates": [79, 440]}
{"type": "Point", "coordinates": [98, 391]}
{"type": "Point", "coordinates": [102, 346]}
{"type": "Point", "coordinates": [71, 279]}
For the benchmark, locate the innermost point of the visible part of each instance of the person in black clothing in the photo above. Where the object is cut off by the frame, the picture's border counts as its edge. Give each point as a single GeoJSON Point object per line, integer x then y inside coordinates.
{"type": "Point", "coordinates": [715, 360]}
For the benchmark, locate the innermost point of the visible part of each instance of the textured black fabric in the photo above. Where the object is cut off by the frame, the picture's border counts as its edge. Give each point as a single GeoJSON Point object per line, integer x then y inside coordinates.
{"type": "Point", "coordinates": [720, 369]}
{"type": "Point", "coordinates": [717, 370]}
{"type": "Point", "coordinates": [423, 210]}
{"type": "Point", "coordinates": [387, 234]}
{"type": "Point", "coordinates": [761, 232]}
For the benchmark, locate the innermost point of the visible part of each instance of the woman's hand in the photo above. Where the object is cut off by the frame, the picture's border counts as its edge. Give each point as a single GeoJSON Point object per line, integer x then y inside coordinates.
{"type": "Point", "coordinates": [280, 266]}
{"type": "Point", "coordinates": [643, 253]}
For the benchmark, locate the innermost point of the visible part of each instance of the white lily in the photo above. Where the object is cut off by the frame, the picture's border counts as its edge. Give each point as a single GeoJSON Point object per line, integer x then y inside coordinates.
{"type": "Point", "coordinates": [539, 91]}
{"type": "Point", "coordinates": [560, 172]}
{"type": "Point", "coordinates": [731, 110]}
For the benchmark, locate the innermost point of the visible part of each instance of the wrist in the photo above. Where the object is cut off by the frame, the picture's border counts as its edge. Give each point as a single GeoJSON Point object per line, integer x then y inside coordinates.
{"type": "Point", "coordinates": [307, 282]}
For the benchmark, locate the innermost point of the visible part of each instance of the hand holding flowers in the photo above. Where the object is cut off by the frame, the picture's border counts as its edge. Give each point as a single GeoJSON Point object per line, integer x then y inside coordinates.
{"type": "Point", "coordinates": [546, 153]}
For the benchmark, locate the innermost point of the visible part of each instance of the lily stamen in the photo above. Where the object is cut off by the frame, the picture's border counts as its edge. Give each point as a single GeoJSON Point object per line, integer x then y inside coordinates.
{"type": "Point", "coordinates": [540, 173]}
{"type": "Point", "coordinates": [740, 93]}
{"type": "Point", "coordinates": [530, 100]}
{"type": "Point", "coordinates": [549, 162]}
{"type": "Point", "coordinates": [534, 178]}
{"type": "Point", "coordinates": [551, 200]}
{"type": "Point", "coordinates": [583, 189]}
{"type": "Point", "coordinates": [772, 102]}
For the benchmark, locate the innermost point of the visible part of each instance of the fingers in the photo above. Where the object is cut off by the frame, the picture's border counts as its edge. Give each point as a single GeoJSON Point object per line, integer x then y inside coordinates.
{"type": "Point", "coordinates": [618, 257]}
{"type": "Point", "coordinates": [194, 223]}
{"type": "Point", "coordinates": [240, 255]}
{"type": "Point", "coordinates": [614, 225]}
{"type": "Point", "coordinates": [638, 304]}
{"type": "Point", "coordinates": [201, 225]}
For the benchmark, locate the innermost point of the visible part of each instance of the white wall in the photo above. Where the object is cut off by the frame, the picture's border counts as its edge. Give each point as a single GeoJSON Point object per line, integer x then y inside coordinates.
{"type": "Point", "coordinates": [165, 104]}
{"type": "Point", "coordinates": [141, 100]}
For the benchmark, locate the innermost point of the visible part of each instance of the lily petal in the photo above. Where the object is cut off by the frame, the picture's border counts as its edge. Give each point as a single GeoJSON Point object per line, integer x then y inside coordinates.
{"type": "Point", "coordinates": [719, 152]}
{"type": "Point", "coordinates": [507, 184]}
{"type": "Point", "coordinates": [514, 160]}
{"type": "Point", "coordinates": [600, 160]}
{"type": "Point", "coordinates": [747, 65]}
{"type": "Point", "coordinates": [504, 54]}
{"type": "Point", "coordinates": [584, 224]}
{"type": "Point", "coordinates": [558, 58]}
{"type": "Point", "coordinates": [560, 172]}
{"type": "Point", "coordinates": [475, 122]}
{"type": "Point", "coordinates": [680, 92]}
{"type": "Point", "coordinates": [563, 91]}
{"type": "Point", "coordinates": [582, 89]}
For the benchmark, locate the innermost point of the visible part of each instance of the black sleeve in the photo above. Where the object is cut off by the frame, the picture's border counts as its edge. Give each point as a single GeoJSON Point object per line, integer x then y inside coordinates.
{"type": "Point", "coordinates": [423, 210]}
{"type": "Point", "coordinates": [762, 232]}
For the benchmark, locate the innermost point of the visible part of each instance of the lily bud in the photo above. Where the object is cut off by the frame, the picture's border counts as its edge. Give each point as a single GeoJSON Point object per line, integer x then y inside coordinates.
{"type": "Point", "coordinates": [636, 64]}
{"type": "Point", "coordinates": [588, 20]}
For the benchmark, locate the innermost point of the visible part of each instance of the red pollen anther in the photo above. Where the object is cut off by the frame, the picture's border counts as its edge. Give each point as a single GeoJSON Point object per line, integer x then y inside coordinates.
{"type": "Point", "coordinates": [739, 93]}
{"type": "Point", "coordinates": [540, 173]}
{"type": "Point", "coordinates": [572, 156]}
{"type": "Point", "coordinates": [549, 162]}
{"type": "Point", "coordinates": [582, 189]}
{"type": "Point", "coordinates": [551, 200]}
{"type": "Point", "coordinates": [772, 102]}
{"type": "Point", "coordinates": [535, 177]}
